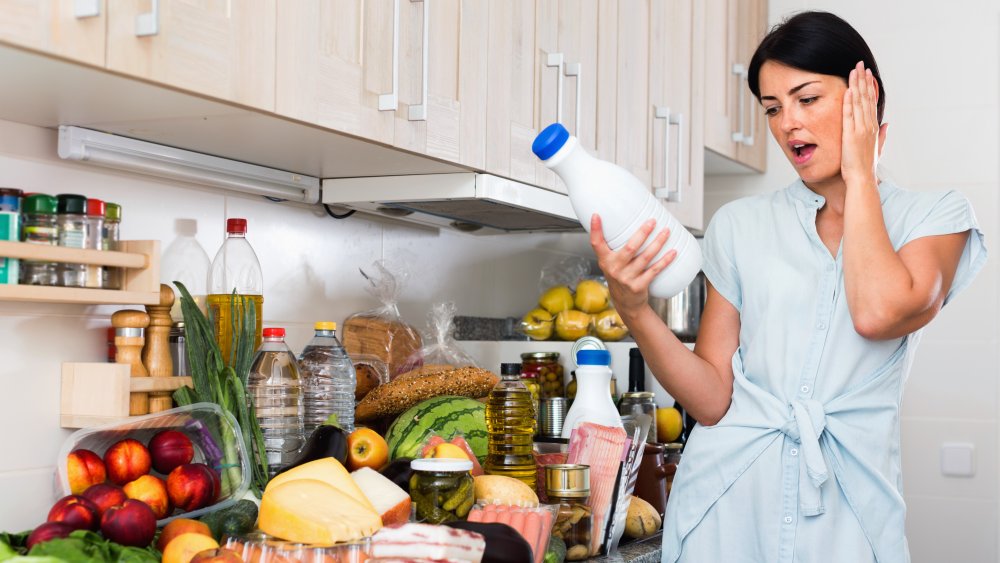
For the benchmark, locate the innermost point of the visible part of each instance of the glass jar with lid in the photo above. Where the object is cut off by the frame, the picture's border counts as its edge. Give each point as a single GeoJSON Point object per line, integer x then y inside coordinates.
{"type": "Point", "coordinates": [544, 369]}
{"type": "Point", "coordinates": [640, 402]}
{"type": "Point", "coordinates": [441, 489]}
{"type": "Point", "coordinates": [95, 238]}
{"type": "Point", "coordinates": [568, 485]}
{"type": "Point", "coordinates": [71, 219]}
{"type": "Point", "coordinates": [671, 457]}
{"type": "Point", "coordinates": [110, 235]}
{"type": "Point", "coordinates": [39, 227]}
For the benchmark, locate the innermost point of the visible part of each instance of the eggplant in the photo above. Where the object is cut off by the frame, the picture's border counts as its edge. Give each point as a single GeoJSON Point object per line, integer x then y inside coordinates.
{"type": "Point", "coordinates": [503, 543]}
{"type": "Point", "coordinates": [398, 471]}
{"type": "Point", "coordinates": [327, 440]}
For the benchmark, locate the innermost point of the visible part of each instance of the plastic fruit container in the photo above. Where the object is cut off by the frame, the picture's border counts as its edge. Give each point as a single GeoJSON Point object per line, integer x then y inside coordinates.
{"type": "Point", "coordinates": [262, 548]}
{"type": "Point", "coordinates": [210, 430]}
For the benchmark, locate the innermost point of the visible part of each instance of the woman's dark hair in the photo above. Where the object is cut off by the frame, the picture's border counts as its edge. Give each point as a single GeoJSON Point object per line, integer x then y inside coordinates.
{"type": "Point", "coordinates": [817, 42]}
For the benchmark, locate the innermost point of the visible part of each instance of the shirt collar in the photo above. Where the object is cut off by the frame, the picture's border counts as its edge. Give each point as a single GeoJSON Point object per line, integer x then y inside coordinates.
{"type": "Point", "coordinates": [801, 192]}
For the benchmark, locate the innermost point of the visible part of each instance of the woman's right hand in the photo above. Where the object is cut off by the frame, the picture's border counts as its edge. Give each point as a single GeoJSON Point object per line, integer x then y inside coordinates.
{"type": "Point", "coordinates": [627, 270]}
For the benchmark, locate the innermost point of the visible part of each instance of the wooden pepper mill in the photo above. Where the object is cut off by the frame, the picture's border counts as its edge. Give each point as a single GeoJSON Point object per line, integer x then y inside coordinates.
{"type": "Point", "coordinates": [156, 353]}
{"type": "Point", "coordinates": [129, 340]}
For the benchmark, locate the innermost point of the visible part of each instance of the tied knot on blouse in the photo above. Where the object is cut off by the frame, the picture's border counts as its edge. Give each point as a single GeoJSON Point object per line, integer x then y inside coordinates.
{"type": "Point", "coordinates": [805, 425]}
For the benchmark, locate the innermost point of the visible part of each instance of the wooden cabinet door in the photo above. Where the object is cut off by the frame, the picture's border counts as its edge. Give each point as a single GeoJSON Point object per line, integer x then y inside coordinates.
{"type": "Point", "coordinates": [634, 111]}
{"type": "Point", "coordinates": [733, 120]}
{"type": "Point", "coordinates": [221, 49]}
{"type": "Point", "coordinates": [67, 28]}
{"type": "Point", "coordinates": [442, 109]}
{"type": "Point", "coordinates": [675, 130]}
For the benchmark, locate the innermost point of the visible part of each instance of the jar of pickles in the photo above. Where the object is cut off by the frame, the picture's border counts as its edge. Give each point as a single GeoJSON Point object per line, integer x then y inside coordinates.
{"type": "Point", "coordinates": [441, 489]}
{"type": "Point", "coordinates": [545, 370]}
{"type": "Point", "coordinates": [568, 485]}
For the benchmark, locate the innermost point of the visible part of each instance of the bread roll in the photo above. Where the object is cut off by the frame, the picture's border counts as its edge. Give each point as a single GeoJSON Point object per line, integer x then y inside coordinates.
{"type": "Point", "coordinates": [409, 389]}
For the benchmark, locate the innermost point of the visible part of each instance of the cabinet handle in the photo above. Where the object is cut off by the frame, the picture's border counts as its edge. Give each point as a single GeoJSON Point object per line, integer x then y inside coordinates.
{"type": "Point", "coordinates": [741, 72]}
{"type": "Point", "coordinates": [556, 60]}
{"type": "Point", "coordinates": [663, 113]}
{"type": "Point", "coordinates": [748, 139]}
{"type": "Point", "coordinates": [149, 23]}
{"type": "Point", "coordinates": [419, 112]}
{"type": "Point", "coordinates": [573, 69]}
{"type": "Point", "coordinates": [678, 120]}
{"type": "Point", "coordinates": [86, 8]}
{"type": "Point", "coordinates": [388, 102]}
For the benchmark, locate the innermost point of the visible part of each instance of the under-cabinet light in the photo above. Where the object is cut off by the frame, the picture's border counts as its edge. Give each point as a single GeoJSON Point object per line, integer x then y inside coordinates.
{"type": "Point", "coordinates": [114, 151]}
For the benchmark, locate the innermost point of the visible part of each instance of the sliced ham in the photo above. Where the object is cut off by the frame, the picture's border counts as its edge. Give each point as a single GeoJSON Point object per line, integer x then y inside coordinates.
{"type": "Point", "coordinates": [425, 541]}
{"type": "Point", "coordinates": [602, 448]}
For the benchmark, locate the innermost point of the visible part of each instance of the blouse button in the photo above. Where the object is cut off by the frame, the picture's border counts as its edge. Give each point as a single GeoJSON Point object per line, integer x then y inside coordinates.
{"type": "Point", "coordinates": [804, 389]}
{"type": "Point", "coordinates": [820, 326]}
{"type": "Point", "coordinates": [788, 519]}
{"type": "Point", "coordinates": [794, 451]}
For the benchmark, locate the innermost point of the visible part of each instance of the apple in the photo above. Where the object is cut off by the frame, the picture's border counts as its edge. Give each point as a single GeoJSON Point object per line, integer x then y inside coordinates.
{"type": "Point", "coordinates": [592, 296]}
{"type": "Point", "coordinates": [84, 468]}
{"type": "Point", "coordinates": [556, 299]}
{"type": "Point", "coordinates": [538, 324]}
{"type": "Point", "coordinates": [152, 491]}
{"type": "Point", "coordinates": [390, 501]}
{"type": "Point", "coordinates": [105, 495]}
{"type": "Point", "coordinates": [572, 324]}
{"type": "Point", "coordinates": [366, 448]}
{"type": "Point", "coordinates": [192, 486]}
{"type": "Point", "coordinates": [49, 531]}
{"type": "Point", "coordinates": [169, 449]}
{"type": "Point", "coordinates": [220, 555]}
{"type": "Point", "coordinates": [609, 326]}
{"type": "Point", "coordinates": [126, 461]}
{"type": "Point", "coordinates": [77, 511]}
{"type": "Point", "coordinates": [180, 526]}
{"type": "Point", "coordinates": [184, 547]}
{"type": "Point", "coordinates": [131, 523]}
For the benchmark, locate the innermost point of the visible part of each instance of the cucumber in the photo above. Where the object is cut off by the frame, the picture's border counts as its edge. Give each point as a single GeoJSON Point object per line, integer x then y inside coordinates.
{"type": "Point", "coordinates": [235, 520]}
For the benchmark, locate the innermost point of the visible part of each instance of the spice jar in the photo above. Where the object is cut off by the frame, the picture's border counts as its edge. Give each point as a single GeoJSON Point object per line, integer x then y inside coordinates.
{"type": "Point", "coordinates": [109, 241]}
{"type": "Point", "coordinates": [95, 232]}
{"type": "Point", "coordinates": [39, 227]}
{"type": "Point", "coordinates": [640, 402]}
{"type": "Point", "coordinates": [71, 219]}
{"type": "Point", "coordinates": [10, 229]}
{"type": "Point", "coordinates": [568, 485]}
{"type": "Point", "coordinates": [544, 368]}
{"type": "Point", "coordinates": [178, 348]}
{"type": "Point", "coordinates": [441, 489]}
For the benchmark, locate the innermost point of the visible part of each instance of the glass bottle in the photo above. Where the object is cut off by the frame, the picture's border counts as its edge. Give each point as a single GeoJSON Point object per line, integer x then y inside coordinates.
{"type": "Point", "coordinates": [185, 260]}
{"type": "Point", "coordinates": [640, 402]}
{"type": "Point", "coordinates": [95, 240]}
{"type": "Point", "coordinates": [235, 269]}
{"type": "Point", "coordinates": [178, 348]}
{"type": "Point", "coordinates": [110, 236]}
{"type": "Point", "coordinates": [568, 485]}
{"type": "Point", "coordinates": [10, 229]}
{"type": "Point", "coordinates": [275, 387]}
{"type": "Point", "coordinates": [510, 422]}
{"type": "Point", "coordinates": [71, 216]}
{"type": "Point", "coordinates": [39, 228]}
{"type": "Point", "coordinates": [328, 379]}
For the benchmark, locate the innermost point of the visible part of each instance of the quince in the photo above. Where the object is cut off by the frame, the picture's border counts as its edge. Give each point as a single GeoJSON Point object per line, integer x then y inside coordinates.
{"type": "Point", "coordinates": [556, 299]}
{"type": "Point", "coordinates": [572, 324]}
{"type": "Point", "coordinates": [609, 326]}
{"type": "Point", "coordinates": [538, 324]}
{"type": "Point", "coordinates": [592, 296]}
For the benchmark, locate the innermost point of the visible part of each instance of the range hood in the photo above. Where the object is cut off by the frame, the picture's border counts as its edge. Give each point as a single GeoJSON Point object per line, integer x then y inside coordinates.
{"type": "Point", "coordinates": [466, 201]}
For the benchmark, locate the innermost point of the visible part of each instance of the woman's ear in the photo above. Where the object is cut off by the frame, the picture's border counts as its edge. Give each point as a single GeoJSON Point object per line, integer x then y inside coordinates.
{"type": "Point", "coordinates": [881, 137]}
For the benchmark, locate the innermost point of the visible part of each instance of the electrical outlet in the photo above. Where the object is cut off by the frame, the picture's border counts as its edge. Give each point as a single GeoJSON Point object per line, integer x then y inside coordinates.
{"type": "Point", "coordinates": [958, 459]}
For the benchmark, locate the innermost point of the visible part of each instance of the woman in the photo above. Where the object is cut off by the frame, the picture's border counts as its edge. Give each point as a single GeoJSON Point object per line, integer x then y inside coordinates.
{"type": "Point", "coordinates": [816, 299]}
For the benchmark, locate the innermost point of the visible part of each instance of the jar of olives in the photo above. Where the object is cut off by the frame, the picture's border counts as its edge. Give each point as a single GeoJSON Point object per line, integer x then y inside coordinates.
{"type": "Point", "coordinates": [441, 489]}
{"type": "Point", "coordinates": [568, 485]}
{"type": "Point", "coordinates": [545, 370]}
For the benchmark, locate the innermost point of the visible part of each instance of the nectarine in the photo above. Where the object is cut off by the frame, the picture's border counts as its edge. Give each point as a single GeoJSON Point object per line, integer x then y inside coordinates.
{"type": "Point", "coordinates": [83, 469]}
{"type": "Point", "coordinates": [126, 461]}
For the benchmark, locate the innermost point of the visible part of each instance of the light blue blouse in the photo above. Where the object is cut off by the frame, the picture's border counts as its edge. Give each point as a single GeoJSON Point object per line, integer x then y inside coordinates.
{"type": "Point", "coordinates": [805, 465]}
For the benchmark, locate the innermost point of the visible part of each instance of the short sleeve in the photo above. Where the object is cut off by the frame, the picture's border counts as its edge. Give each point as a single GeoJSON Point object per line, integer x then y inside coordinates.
{"type": "Point", "coordinates": [718, 260]}
{"type": "Point", "coordinates": [952, 213]}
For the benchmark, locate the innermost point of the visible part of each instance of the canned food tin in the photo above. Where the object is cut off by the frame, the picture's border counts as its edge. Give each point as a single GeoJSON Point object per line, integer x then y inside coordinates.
{"type": "Point", "coordinates": [586, 343]}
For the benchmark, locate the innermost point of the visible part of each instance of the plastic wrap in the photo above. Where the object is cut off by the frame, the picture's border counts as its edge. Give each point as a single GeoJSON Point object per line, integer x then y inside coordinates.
{"type": "Point", "coordinates": [441, 347]}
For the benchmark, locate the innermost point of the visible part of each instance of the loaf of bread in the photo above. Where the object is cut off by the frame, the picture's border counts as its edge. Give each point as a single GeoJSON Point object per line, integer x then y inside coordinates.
{"type": "Point", "coordinates": [391, 341]}
{"type": "Point", "coordinates": [412, 387]}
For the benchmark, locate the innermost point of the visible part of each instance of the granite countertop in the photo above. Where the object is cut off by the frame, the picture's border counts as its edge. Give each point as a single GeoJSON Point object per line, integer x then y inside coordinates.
{"type": "Point", "coordinates": [638, 551]}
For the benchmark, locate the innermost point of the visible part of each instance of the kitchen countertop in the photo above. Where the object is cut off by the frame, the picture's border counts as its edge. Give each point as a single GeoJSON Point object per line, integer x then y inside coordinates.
{"type": "Point", "coordinates": [639, 551]}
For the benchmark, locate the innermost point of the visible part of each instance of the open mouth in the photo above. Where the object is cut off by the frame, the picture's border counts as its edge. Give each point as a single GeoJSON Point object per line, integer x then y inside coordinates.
{"type": "Point", "coordinates": [803, 151]}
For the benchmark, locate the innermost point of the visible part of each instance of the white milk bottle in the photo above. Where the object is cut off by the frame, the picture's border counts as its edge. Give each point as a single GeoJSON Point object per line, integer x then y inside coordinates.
{"type": "Point", "coordinates": [622, 201]}
{"type": "Point", "coordinates": [593, 401]}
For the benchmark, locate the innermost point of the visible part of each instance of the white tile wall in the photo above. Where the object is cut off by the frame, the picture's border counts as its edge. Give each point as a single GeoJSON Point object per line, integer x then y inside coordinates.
{"type": "Point", "coordinates": [310, 264]}
{"type": "Point", "coordinates": [941, 67]}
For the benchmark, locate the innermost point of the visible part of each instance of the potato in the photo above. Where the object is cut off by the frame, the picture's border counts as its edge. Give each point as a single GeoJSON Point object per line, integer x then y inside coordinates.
{"type": "Point", "coordinates": [642, 520]}
{"type": "Point", "coordinates": [504, 490]}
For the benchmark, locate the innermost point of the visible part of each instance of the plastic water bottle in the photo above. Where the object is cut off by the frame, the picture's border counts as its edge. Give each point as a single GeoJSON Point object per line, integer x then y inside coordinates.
{"type": "Point", "coordinates": [328, 379]}
{"type": "Point", "coordinates": [276, 389]}
{"type": "Point", "coordinates": [622, 201]}
{"type": "Point", "coordinates": [593, 403]}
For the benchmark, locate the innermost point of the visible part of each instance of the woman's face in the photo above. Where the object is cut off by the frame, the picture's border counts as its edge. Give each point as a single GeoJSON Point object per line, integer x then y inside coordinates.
{"type": "Point", "coordinates": [805, 115]}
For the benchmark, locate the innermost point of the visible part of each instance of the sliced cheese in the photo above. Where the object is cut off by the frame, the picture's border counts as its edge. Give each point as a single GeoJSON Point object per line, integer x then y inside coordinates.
{"type": "Point", "coordinates": [327, 470]}
{"type": "Point", "coordinates": [311, 511]}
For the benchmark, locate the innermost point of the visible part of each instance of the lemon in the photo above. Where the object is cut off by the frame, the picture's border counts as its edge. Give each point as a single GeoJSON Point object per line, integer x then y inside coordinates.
{"type": "Point", "coordinates": [669, 425]}
{"type": "Point", "coordinates": [450, 451]}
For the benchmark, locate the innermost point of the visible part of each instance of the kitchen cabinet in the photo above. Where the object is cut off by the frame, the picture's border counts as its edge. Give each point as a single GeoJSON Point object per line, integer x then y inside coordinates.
{"type": "Point", "coordinates": [68, 28]}
{"type": "Point", "coordinates": [225, 50]}
{"type": "Point", "coordinates": [734, 123]}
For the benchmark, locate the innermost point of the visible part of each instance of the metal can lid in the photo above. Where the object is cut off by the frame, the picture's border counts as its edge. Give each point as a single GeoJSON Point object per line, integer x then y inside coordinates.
{"type": "Point", "coordinates": [673, 447]}
{"type": "Point", "coordinates": [639, 395]}
{"type": "Point", "coordinates": [567, 480]}
{"type": "Point", "coordinates": [586, 343]}
{"type": "Point", "coordinates": [552, 356]}
{"type": "Point", "coordinates": [441, 464]}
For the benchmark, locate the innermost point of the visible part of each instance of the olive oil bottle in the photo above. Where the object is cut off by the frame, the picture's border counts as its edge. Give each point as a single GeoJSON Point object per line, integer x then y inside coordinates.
{"type": "Point", "coordinates": [510, 421]}
{"type": "Point", "coordinates": [235, 269]}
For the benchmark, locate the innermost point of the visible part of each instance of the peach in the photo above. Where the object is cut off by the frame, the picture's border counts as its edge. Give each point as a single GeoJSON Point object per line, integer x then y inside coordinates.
{"type": "Point", "coordinates": [77, 511]}
{"type": "Point", "coordinates": [126, 461]}
{"type": "Point", "coordinates": [169, 449]}
{"type": "Point", "coordinates": [105, 495]}
{"type": "Point", "coordinates": [84, 468]}
{"type": "Point", "coordinates": [184, 547]}
{"type": "Point", "coordinates": [220, 555]}
{"type": "Point", "coordinates": [131, 523]}
{"type": "Point", "coordinates": [49, 531]}
{"type": "Point", "coordinates": [152, 491]}
{"type": "Point", "coordinates": [192, 486]}
{"type": "Point", "coordinates": [180, 526]}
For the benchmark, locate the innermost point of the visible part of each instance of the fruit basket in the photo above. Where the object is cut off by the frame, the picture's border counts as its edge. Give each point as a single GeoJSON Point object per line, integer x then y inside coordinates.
{"type": "Point", "coordinates": [262, 548]}
{"type": "Point", "coordinates": [203, 449]}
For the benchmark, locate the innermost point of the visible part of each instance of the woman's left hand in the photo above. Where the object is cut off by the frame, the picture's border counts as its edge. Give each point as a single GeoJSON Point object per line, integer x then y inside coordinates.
{"type": "Point", "coordinates": [862, 137]}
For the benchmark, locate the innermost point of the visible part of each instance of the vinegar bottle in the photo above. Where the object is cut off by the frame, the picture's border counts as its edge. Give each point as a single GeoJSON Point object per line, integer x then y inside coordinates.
{"type": "Point", "coordinates": [593, 403]}
{"type": "Point", "coordinates": [622, 201]}
{"type": "Point", "coordinates": [510, 422]}
{"type": "Point", "coordinates": [235, 268]}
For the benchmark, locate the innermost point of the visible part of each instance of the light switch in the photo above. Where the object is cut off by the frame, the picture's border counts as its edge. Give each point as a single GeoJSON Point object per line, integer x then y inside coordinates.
{"type": "Point", "coordinates": [958, 459]}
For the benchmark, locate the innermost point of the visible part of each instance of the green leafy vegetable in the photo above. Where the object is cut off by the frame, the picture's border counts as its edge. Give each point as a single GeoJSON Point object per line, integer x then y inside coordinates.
{"type": "Point", "coordinates": [83, 546]}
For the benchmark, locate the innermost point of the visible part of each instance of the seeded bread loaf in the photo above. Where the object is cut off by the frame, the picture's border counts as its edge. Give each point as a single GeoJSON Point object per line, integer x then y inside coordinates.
{"type": "Point", "coordinates": [410, 388]}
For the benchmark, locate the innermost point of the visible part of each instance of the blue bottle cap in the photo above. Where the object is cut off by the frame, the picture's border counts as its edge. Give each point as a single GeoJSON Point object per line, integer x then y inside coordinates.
{"type": "Point", "coordinates": [549, 141]}
{"type": "Point", "coordinates": [593, 358]}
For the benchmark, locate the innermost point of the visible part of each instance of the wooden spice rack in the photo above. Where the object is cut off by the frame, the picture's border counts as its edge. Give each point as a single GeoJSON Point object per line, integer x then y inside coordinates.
{"type": "Point", "coordinates": [140, 260]}
{"type": "Point", "coordinates": [98, 393]}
